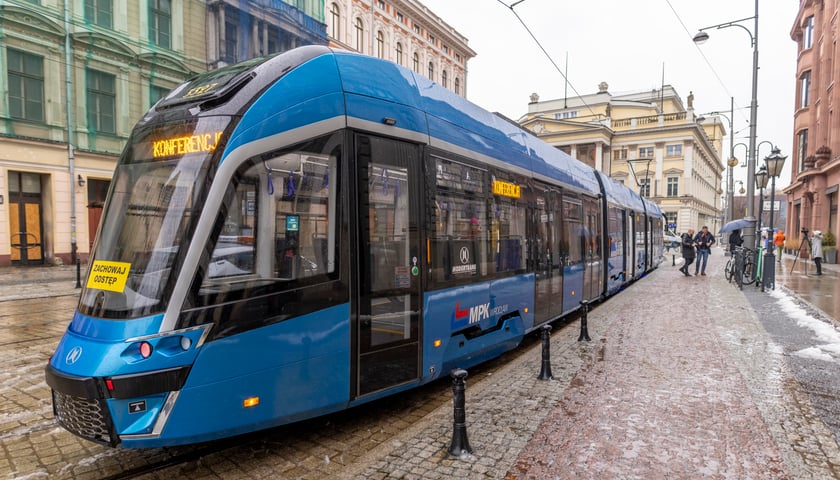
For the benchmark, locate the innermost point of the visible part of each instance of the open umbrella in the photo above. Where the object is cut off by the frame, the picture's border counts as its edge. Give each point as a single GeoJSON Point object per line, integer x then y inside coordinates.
{"type": "Point", "coordinates": [736, 225]}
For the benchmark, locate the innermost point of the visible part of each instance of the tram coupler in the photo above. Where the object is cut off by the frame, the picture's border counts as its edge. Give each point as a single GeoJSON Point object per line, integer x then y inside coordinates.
{"type": "Point", "coordinates": [584, 331]}
{"type": "Point", "coordinates": [78, 272]}
{"type": "Point", "coordinates": [460, 444]}
{"type": "Point", "coordinates": [545, 369]}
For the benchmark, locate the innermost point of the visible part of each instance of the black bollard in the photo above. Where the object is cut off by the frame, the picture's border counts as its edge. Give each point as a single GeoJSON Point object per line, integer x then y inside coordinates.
{"type": "Point", "coordinates": [78, 272]}
{"type": "Point", "coordinates": [673, 260]}
{"type": "Point", "coordinates": [584, 332]}
{"type": "Point", "coordinates": [460, 443]}
{"type": "Point", "coordinates": [545, 370]}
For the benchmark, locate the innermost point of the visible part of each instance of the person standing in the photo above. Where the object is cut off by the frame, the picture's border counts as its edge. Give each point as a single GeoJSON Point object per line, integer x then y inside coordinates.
{"type": "Point", "coordinates": [779, 242]}
{"type": "Point", "coordinates": [816, 250]}
{"type": "Point", "coordinates": [703, 241]}
{"type": "Point", "coordinates": [735, 240]}
{"type": "Point", "coordinates": [687, 250]}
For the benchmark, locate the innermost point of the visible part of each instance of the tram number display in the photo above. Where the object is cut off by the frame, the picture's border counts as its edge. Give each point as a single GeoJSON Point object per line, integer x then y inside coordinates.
{"type": "Point", "coordinates": [110, 276]}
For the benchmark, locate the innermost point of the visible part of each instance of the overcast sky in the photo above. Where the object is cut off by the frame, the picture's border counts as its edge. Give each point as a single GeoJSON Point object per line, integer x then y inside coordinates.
{"type": "Point", "coordinates": [626, 43]}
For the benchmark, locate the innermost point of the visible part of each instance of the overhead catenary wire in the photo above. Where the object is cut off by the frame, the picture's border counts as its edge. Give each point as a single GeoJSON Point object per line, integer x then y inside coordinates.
{"type": "Point", "coordinates": [556, 67]}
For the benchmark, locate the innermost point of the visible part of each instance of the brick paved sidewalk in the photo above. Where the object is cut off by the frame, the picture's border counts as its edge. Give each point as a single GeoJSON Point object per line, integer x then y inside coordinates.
{"type": "Point", "coordinates": [680, 381]}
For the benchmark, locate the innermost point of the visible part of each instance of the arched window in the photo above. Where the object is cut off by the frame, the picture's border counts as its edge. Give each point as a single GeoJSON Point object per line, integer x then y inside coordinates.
{"type": "Point", "coordinates": [380, 44]}
{"type": "Point", "coordinates": [399, 53]}
{"type": "Point", "coordinates": [416, 65]}
{"type": "Point", "coordinates": [335, 18]}
{"type": "Point", "coordinates": [443, 79]}
{"type": "Point", "coordinates": [457, 85]}
{"type": "Point", "coordinates": [360, 35]}
{"type": "Point", "coordinates": [431, 71]}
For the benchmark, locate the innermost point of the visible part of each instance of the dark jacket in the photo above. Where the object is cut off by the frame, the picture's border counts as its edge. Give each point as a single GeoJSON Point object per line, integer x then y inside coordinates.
{"type": "Point", "coordinates": [735, 240]}
{"type": "Point", "coordinates": [704, 242]}
{"type": "Point", "coordinates": [687, 245]}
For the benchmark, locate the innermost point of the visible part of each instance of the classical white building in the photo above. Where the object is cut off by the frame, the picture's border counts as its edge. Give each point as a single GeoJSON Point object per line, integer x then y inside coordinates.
{"type": "Point", "coordinates": [405, 32]}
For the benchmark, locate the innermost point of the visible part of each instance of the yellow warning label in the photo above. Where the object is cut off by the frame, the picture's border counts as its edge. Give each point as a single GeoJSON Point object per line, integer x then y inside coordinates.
{"type": "Point", "coordinates": [109, 276]}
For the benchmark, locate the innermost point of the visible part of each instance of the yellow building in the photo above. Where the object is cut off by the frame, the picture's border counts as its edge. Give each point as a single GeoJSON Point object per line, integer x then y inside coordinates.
{"type": "Point", "coordinates": [75, 77]}
{"type": "Point", "coordinates": [649, 141]}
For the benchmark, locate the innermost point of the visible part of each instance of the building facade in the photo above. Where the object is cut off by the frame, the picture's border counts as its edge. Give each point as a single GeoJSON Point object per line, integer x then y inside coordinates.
{"type": "Point", "coordinates": [405, 32]}
{"type": "Point", "coordinates": [812, 195]}
{"type": "Point", "coordinates": [649, 141]}
{"type": "Point", "coordinates": [76, 75]}
{"type": "Point", "coordinates": [241, 29]}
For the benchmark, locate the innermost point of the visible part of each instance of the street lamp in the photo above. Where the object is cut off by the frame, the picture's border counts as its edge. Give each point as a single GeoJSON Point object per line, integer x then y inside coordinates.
{"type": "Point", "coordinates": [702, 36]}
{"type": "Point", "coordinates": [729, 213]}
{"type": "Point", "coordinates": [760, 184]}
{"type": "Point", "coordinates": [775, 161]}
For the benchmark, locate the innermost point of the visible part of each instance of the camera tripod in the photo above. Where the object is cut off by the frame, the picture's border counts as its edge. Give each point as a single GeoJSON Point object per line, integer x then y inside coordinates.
{"type": "Point", "coordinates": [806, 240]}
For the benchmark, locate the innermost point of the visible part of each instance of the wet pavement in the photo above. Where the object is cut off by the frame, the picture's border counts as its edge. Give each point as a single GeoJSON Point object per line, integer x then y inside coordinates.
{"type": "Point", "coordinates": [686, 377]}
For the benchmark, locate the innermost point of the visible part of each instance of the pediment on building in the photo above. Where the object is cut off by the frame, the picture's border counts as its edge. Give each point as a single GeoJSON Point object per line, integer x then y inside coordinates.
{"type": "Point", "coordinates": [159, 61]}
{"type": "Point", "coordinates": [104, 45]}
{"type": "Point", "coordinates": [673, 171]}
{"type": "Point", "coordinates": [29, 22]}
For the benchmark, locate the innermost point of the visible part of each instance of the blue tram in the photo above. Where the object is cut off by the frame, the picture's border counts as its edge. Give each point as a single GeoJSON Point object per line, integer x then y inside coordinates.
{"type": "Point", "coordinates": [299, 234]}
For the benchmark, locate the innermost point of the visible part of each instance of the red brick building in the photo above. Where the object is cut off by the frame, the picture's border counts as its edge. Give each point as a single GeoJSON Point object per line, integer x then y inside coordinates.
{"type": "Point", "coordinates": [815, 162]}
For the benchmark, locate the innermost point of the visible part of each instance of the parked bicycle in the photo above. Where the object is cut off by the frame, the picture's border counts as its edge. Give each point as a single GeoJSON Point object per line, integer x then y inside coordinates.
{"type": "Point", "coordinates": [741, 262]}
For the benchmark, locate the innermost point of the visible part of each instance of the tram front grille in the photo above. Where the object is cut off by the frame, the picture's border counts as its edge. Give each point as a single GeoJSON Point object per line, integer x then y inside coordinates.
{"type": "Point", "coordinates": [86, 417]}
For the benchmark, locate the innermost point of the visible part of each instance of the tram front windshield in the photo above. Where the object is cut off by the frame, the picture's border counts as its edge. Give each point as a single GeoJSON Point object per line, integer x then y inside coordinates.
{"type": "Point", "coordinates": [149, 218]}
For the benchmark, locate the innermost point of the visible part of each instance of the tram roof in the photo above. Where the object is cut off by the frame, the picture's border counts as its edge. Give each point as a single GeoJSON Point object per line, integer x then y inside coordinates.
{"type": "Point", "coordinates": [367, 89]}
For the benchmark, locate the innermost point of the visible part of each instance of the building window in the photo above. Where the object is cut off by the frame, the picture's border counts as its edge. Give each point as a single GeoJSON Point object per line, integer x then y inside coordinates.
{"type": "Point", "coordinates": [360, 35]}
{"type": "Point", "coordinates": [802, 147]}
{"type": "Point", "coordinates": [458, 57]}
{"type": "Point", "coordinates": [446, 49]}
{"type": "Point", "coordinates": [672, 151]}
{"type": "Point", "coordinates": [431, 39]}
{"type": "Point", "coordinates": [231, 43]}
{"type": "Point", "coordinates": [457, 85]}
{"type": "Point", "coordinates": [156, 93]}
{"type": "Point", "coordinates": [160, 22]}
{"type": "Point", "coordinates": [274, 39]}
{"type": "Point", "coordinates": [832, 212]}
{"type": "Point", "coordinates": [416, 62]}
{"type": "Point", "coordinates": [644, 188]}
{"type": "Point", "coordinates": [101, 102]}
{"type": "Point", "coordinates": [562, 115]}
{"type": "Point", "coordinates": [26, 85]}
{"type": "Point", "coordinates": [645, 152]}
{"type": "Point", "coordinates": [400, 17]}
{"type": "Point", "coordinates": [335, 18]}
{"type": "Point", "coordinates": [417, 29]}
{"type": "Point", "coordinates": [443, 79]}
{"type": "Point", "coordinates": [99, 12]}
{"type": "Point", "coordinates": [808, 33]}
{"type": "Point", "coordinates": [399, 53]}
{"type": "Point", "coordinates": [431, 71]}
{"type": "Point", "coordinates": [805, 86]}
{"type": "Point", "coordinates": [381, 5]}
{"type": "Point", "coordinates": [620, 154]}
{"type": "Point", "coordinates": [673, 186]}
{"type": "Point", "coordinates": [380, 44]}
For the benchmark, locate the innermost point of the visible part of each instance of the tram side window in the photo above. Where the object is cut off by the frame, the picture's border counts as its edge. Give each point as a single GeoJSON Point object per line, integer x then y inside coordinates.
{"type": "Point", "coordinates": [281, 221]}
{"type": "Point", "coordinates": [616, 232]}
{"type": "Point", "coordinates": [234, 252]}
{"type": "Point", "coordinates": [507, 235]}
{"type": "Point", "coordinates": [459, 243]}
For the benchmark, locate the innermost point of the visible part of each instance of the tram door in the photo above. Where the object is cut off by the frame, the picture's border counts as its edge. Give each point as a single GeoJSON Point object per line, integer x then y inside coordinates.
{"type": "Point", "coordinates": [387, 348]}
{"type": "Point", "coordinates": [548, 303]}
{"type": "Point", "coordinates": [594, 256]}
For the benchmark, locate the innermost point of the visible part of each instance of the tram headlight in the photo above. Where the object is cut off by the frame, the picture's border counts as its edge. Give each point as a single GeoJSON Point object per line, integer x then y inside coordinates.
{"type": "Point", "coordinates": [185, 343]}
{"type": "Point", "coordinates": [145, 349]}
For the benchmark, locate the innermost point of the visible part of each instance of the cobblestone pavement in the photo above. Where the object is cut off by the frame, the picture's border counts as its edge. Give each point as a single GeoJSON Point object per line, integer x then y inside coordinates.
{"type": "Point", "coordinates": [681, 380]}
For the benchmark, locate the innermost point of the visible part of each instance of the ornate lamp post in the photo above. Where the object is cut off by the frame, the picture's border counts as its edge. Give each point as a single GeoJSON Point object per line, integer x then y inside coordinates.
{"type": "Point", "coordinates": [760, 184]}
{"type": "Point", "coordinates": [775, 161]}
